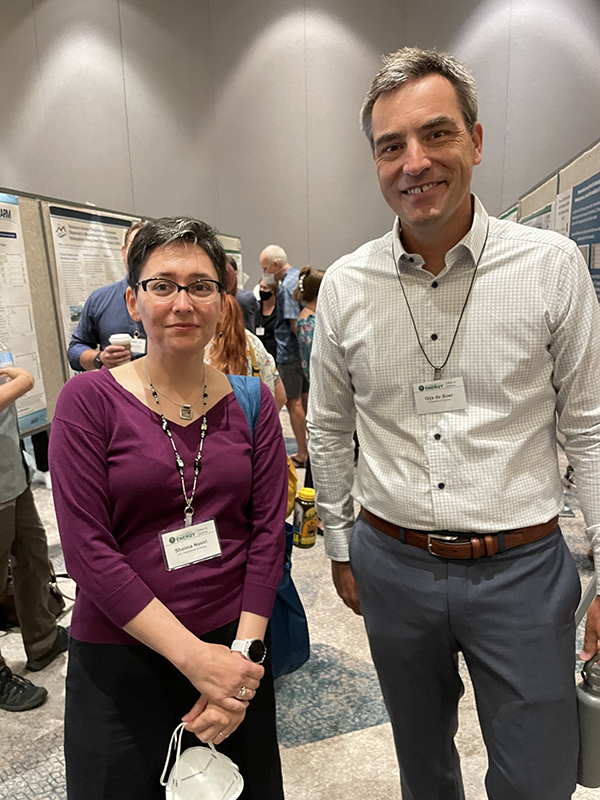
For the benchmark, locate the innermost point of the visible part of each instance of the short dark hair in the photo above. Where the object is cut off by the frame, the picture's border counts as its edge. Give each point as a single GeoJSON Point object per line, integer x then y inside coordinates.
{"type": "Point", "coordinates": [412, 64]}
{"type": "Point", "coordinates": [174, 230]}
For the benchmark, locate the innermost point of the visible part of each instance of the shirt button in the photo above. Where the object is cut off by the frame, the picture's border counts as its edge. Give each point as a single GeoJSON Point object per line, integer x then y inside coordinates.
{"type": "Point", "coordinates": [434, 336]}
{"type": "Point", "coordinates": [441, 485]}
{"type": "Point", "coordinates": [434, 285]}
{"type": "Point", "coordinates": [437, 436]}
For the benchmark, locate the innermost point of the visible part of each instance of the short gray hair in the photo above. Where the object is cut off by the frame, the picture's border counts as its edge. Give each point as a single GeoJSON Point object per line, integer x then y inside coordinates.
{"type": "Point", "coordinates": [412, 64]}
{"type": "Point", "coordinates": [273, 253]}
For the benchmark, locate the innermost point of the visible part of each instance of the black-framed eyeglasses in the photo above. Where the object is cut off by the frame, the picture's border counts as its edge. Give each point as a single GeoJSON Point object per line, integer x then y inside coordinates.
{"type": "Point", "coordinates": [165, 290]}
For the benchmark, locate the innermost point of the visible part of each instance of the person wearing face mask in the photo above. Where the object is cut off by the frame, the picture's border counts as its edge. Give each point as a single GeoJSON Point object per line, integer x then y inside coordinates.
{"type": "Point", "coordinates": [266, 317]}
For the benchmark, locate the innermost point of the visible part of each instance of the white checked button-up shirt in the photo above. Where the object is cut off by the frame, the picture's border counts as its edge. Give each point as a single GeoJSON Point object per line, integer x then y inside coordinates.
{"type": "Point", "coordinates": [528, 350]}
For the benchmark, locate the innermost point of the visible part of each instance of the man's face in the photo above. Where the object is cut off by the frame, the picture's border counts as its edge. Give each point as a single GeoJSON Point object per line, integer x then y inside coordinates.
{"type": "Point", "coordinates": [269, 267]}
{"type": "Point", "coordinates": [127, 245]}
{"type": "Point", "coordinates": [425, 156]}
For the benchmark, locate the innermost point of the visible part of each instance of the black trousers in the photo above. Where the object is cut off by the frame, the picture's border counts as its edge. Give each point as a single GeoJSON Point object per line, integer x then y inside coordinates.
{"type": "Point", "coordinates": [123, 703]}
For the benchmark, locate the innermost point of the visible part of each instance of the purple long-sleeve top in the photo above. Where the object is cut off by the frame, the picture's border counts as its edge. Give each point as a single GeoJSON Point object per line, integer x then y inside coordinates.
{"type": "Point", "coordinates": [116, 486]}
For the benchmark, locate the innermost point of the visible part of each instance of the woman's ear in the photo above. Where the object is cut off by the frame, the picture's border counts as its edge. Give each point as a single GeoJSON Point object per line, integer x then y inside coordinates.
{"type": "Point", "coordinates": [130, 299]}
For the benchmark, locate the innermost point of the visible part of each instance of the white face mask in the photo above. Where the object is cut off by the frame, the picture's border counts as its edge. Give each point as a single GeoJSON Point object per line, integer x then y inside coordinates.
{"type": "Point", "coordinates": [269, 280]}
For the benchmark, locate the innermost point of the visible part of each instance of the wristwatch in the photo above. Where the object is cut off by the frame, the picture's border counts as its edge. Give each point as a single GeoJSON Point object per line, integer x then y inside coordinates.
{"type": "Point", "coordinates": [253, 649]}
{"type": "Point", "coordinates": [97, 362]}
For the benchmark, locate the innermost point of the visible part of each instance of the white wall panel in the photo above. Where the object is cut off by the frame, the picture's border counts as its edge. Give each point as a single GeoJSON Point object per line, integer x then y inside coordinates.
{"type": "Point", "coordinates": [168, 89]}
{"type": "Point", "coordinates": [478, 34]}
{"type": "Point", "coordinates": [554, 88]}
{"type": "Point", "coordinates": [23, 151]}
{"type": "Point", "coordinates": [244, 112]}
{"type": "Point", "coordinates": [344, 42]}
{"type": "Point", "coordinates": [260, 102]}
{"type": "Point", "coordinates": [84, 138]}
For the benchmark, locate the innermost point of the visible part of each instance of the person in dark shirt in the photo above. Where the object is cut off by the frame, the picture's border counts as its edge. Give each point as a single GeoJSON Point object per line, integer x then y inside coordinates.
{"type": "Point", "coordinates": [246, 300]}
{"type": "Point", "coordinates": [267, 316]}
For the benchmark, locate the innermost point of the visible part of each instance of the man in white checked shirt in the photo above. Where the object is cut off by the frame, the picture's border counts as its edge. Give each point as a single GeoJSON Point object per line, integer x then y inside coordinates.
{"type": "Point", "coordinates": [453, 344]}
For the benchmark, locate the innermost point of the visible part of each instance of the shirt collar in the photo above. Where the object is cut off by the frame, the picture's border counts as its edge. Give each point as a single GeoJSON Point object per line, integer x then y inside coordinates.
{"type": "Point", "coordinates": [472, 242]}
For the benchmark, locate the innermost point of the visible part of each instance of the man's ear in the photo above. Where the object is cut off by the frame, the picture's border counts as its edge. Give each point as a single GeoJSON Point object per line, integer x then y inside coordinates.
{"type": "Point", "coordinates": [477, 139]}
{"type": "Point", "coordinates": [130, 299]}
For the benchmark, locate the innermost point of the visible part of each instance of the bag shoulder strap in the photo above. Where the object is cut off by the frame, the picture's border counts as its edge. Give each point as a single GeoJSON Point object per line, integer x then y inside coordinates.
{"type": "Point", "coordinates": [247, 393]}
{"type": "Point", "coordinates": [255, 367]}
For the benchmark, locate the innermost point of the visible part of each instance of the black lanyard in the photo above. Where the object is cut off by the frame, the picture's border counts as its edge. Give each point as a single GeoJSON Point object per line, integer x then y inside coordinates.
{"type": "Point", "coordinates": [437, 370]}
{"type": "Point", "coordinates": [188, 512]}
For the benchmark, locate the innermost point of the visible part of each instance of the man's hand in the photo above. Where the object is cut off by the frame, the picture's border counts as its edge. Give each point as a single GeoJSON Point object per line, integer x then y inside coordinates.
{"type": "Point", "coordinates": [591, 642]}
{"type": "Point", "coordinates": [345, 585]}
{"type": "Point", "coordinates": [114, 355]}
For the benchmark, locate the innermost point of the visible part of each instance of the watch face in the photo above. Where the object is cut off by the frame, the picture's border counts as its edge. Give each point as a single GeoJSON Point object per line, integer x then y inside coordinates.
{"type": "Point", "coordinates": [257, 651]}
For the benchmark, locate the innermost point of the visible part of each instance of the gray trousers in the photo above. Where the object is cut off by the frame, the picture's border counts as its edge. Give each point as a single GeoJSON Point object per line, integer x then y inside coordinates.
{"type": "Point", "coordinates": [511, 615]}
{"type": "Point", "coordinates": [23, 537]}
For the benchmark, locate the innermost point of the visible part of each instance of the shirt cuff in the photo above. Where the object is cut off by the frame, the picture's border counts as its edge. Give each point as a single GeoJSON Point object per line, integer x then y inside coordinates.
{"type": "Point", "coordinates": [336, 544]}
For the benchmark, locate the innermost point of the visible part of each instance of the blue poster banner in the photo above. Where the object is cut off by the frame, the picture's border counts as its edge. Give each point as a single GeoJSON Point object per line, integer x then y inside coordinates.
{"type": "Point", "coordinates": [585, 223]}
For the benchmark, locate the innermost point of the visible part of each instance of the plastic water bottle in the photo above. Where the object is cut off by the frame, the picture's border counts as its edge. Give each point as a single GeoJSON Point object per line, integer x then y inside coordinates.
{"type": "Point", "coordinates": [588, 707]}
{"type": "Point", "coordinates": [6, 360]}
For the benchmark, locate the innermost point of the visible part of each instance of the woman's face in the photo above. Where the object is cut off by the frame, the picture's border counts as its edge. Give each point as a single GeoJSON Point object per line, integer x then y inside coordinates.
{"type": "Point", "coordinates": [264, 287]}
{"type": "Point", "coordinates": [182, 324]}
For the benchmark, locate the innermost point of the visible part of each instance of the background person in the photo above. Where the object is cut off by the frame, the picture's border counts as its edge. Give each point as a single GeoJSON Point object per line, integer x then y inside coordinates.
{"type": "Point", "coordinates": [274, 261]}
{"type": "Point", "coordinates": [104, 313]}
{"type": "Point", "coordinates": [236, 351]}
{"type": "Point", "coordinates": [306, 292]}
{"type": "Point", "coordinates": [23, 541]}
{"type": "Point", "coordinates": [245, 299]}
{"type": "Point", "coordinates": [267, 317]}
{"type": "Point", "coordinates": [134, 452]}
{"type": "Point", "coordinates": [457, 545]}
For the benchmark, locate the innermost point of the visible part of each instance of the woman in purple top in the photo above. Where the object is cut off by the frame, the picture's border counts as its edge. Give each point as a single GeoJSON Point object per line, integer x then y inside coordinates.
{"type": "Point", "coordinates": [171, 517]}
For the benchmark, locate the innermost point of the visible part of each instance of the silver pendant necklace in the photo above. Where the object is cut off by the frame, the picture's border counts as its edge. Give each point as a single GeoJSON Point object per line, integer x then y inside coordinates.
{"type": "Point", "coordinates": [186, 410]}
{"type": "Point", "coordinates": [188, 511]}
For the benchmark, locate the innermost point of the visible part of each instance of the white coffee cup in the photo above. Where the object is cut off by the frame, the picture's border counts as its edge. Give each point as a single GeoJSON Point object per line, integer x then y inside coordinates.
{"type": "Point", "coordinates": [120, 339]}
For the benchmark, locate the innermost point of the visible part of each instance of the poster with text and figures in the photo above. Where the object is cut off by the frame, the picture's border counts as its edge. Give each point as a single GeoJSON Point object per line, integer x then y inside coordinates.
{"type": "Point", "coordinates": [561, 212]}
{"type": "Point", "coordinates": [539, 219]}
{"type": "Point", "coordinates": [87, 248]}
{"type": "Point", "coordinates": [17, 326]}
{"type": "Point", "coordinates": [585, 224]}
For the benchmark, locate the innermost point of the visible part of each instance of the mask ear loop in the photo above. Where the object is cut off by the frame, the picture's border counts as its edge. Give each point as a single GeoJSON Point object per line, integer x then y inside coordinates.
{"type": "Point", "coordinates": [175, 743]}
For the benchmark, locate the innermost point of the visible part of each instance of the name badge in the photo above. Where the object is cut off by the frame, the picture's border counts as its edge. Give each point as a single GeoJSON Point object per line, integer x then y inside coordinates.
{"type": "Point", "coordinates": [441, 395]}
{"type": "Point", "coordinates": [191, 545]}
{"type": "Point", "coordinates": [138, 347]}
{"type": "Point", "coordinates": [260, 331]}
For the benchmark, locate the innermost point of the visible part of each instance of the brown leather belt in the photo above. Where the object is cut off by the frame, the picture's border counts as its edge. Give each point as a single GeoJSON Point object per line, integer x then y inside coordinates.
{"type": "Point", "coordinates": [462, 545]}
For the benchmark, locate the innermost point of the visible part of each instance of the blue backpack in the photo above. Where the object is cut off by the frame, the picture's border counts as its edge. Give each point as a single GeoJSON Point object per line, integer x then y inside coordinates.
{"type": "Point", "coordinates": [290, 644]}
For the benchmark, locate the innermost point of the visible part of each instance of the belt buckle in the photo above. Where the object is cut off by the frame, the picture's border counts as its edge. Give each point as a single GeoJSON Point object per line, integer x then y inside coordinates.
{"type": "Point", "coordinates": [431, 536]}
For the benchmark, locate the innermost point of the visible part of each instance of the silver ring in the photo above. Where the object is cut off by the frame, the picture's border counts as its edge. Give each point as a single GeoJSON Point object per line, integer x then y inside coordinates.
{"type": "Point", "coordinates": [242, 692]}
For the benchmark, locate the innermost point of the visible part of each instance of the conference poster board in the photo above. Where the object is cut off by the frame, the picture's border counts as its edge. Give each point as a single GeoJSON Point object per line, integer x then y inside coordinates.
{"type": "Point", "coordinates": [585, 224]}
{"type": "Point", "coordinates": [539, 219]}
{"type": "Point", "coordinates": [87, 250]}
{"type": "Point", "coordinates": [17, 324]}
{"type": "Point", "coordinates": [561, 213]}
{"type": "Point", "coordinates": [511, 214]}
{"type": "Point", "coordinates": [233, 247]}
